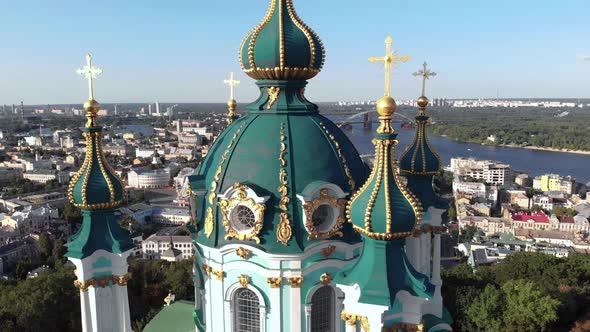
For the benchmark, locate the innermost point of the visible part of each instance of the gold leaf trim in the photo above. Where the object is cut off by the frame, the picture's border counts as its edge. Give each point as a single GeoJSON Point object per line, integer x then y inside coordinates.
{"type": "Point", "coordinates": [324, 199]}
{"type": "Point", "coordinates": [102, 282]}
{"type": "Point", "coordinates": [240, 197]}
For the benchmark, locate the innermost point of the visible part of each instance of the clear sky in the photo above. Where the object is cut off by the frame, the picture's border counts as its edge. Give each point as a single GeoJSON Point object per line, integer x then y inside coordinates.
{"type": "Point", "coordinates": [181, 50]}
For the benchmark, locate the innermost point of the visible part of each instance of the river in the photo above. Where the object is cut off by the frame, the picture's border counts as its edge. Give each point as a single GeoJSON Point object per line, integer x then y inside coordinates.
{"type": "Point", "coordinates": [534, 162]}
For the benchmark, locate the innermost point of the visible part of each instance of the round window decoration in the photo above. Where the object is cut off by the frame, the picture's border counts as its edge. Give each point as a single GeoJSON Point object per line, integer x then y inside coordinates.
{"type": "Point", "coordinates": [323, 218]}
{"type": "Point", "coordinates": [243, 218]}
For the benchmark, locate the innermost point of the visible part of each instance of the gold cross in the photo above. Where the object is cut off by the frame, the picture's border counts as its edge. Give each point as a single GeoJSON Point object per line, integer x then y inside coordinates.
{"type": "Point", "coordinates": [426, 74]}
{"type": "Point", "coordinates": [90, 73]}
{"type": "Point", "coordinates": [389, 59]}
{"type": "Point", "coordinates": [232, 83]}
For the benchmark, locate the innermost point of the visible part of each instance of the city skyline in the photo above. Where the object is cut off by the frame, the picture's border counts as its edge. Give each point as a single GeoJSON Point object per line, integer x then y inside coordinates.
{"type": "Point", "coordinates": [153, 51]}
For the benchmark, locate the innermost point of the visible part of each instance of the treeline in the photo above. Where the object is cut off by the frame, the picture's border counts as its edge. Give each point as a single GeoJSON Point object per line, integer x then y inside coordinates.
{"type": "Point", "coordinates": [524, 292]}
{"type": "Point", "coordinates": [50, 302]}
{"type": "Point", "coordinates": [540, 127]}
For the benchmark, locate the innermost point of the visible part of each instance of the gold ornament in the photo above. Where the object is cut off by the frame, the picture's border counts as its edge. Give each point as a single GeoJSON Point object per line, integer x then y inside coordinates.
{"type": "Point", "coordinates": [326, 279]}
{"type": "Point", "coordinates": [311, 207]}
{"type": "Point", "coordinates": [295, 282]}
{"type": "Point", "coordinates": [243, 252]}
{"type": "Point", "coordinates": [329, 250]}
{"type": "Point", "coordinates": [273, 95]}
{"type": "Point", "coordinates": [240, 197]}
{"type": "Point", "coordinates": [244, 280]}
{"type": "Point", "coordinates": [274, 282]}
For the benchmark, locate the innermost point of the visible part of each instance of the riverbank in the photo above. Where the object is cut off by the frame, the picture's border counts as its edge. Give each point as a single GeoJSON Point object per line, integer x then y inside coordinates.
{"type": "Point", "coordinates": [540, 148]}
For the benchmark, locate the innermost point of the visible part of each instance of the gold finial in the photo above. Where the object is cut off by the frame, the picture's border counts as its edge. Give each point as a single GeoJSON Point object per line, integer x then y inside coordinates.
{"type": "Point", "coordinates": [232, 83]}
{"type": "Point", "coordinates": [231, 104]}
{"type": "Point", "coordinates": [426, 74]}
{"type": "Point", "coordinates": [389, 59]}
{"type": "Point", "coordinates": [91, 106]}
{"type": "Point", "coordinates": [89, 72]}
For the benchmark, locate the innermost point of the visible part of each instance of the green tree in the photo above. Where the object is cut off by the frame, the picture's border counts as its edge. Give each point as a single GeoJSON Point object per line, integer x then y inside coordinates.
{"type": "Point", "coordinates": [139, 196]}
{"type": "Point", "coordinates": [486, 310]}
{"type": "Point", "coordinates": [49, 301]}
{"type": "Point", "coordinates": [452, 212]}
{"type": "Point", "coordinates": [45, 246]}
{"type": "Point", "coordinates": [527, 309]}
{"type": "Point", "coordinates": [178, 279]}
{"type": "Point", "coordinates": [71, 213]}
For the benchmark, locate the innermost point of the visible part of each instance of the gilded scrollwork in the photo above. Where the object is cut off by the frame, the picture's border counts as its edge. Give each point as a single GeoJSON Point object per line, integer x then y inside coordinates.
{"type": "Point", "coordinates": [103, 281]}
{"type": "Point", "coordinates": [209, 218]}
{"type": "Point", "coordinates": [351, 319]}
{"type": "Point", "coordinates": [273, 95]}
{"type": "Point", "coordinates": [310, 208]}
{"type": "Point", "coordinates": [243, 252]}
{"type": "Point", "coordinates": [295, 282]}
{"type": "Point", "coordinates": [240, 197]}
{"type": "Point", "coordinates": [244, 280]}
{"type": "Point", "coordinates": [284, 230]}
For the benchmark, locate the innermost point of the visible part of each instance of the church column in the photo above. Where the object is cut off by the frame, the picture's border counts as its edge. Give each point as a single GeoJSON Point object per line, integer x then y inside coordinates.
{"type": "Point", "coordinates": [436, 260]}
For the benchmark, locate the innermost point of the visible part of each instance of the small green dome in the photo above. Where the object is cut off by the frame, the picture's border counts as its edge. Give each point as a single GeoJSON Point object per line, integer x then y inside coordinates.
{"type": "Point", "coordinates": [384, 209]}
{"type": "Point", "coordinates": [420, 158]}
{"type": "Point", "coordinates": [281, 47]}
{"type": "Point", "coordinates": [95, 186]}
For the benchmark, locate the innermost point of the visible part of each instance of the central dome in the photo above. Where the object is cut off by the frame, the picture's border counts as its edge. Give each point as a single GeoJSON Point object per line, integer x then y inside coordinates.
{"type": "Point", "coordinates": [281, 47]}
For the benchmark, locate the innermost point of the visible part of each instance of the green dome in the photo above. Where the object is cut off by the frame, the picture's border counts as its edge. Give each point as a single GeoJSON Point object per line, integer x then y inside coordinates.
{"type": "Point", "coordinates": [278, 156]}
{"type": "Point", "coordinates": [95, 186]}
{"type": "Point", "coordinates": [420, 158]}
{"type": "Point", "coordinates": [281, 47]}
{"type": "Point", "coordinates": [384, 209]}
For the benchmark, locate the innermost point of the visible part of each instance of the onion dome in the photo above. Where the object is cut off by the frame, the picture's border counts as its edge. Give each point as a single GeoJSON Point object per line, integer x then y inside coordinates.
{"type": "Point", "coordinates": [96, 190]}
{"type": "Point", "coordinates": [281, 47]}
{"type": "Point", "coordinates": [420, 158]}
{"type": "Point", "coordinates": [384, 209]}
{"type": "Point", "coordinates": [95, 186]}
{"type": "Point", "coordinates": [384, 212]}
{"type": "Point", "coordinates": [278, 178]}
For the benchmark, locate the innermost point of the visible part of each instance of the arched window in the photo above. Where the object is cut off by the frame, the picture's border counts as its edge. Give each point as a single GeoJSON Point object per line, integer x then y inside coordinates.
{"type": "Point", "coordinates": [246, 311]}
{"type": "Point", "coordinates": [322, 310]}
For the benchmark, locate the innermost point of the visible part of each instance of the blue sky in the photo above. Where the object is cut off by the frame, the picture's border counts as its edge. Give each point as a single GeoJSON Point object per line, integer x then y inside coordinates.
{"type": "Point", "coordinates": [180, 50]}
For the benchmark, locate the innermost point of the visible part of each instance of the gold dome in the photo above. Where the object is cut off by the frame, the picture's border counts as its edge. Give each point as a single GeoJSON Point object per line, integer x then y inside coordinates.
{"type": "Point", "coordinates": [386, 106]}
{"type": "Point", "coordinates": [422, 101]}
{"type": "Point", "coordinates": [232, 104]}
{"type": "Point", "coordinates": [91, 106]}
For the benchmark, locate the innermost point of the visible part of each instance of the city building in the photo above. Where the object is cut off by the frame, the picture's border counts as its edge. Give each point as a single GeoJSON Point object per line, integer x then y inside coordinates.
{"type": "Point", "coordinates": [31, 220]}
{"type": "Point", "coordinates": [491, 172]}
{"type": "Point", "coordinates": [149, 179]}
{"type": "Point", "coordinates": [555, 183]}
{"type": "Point", "coordinates": [15, 251]}
{"type": "Point", "coordinates": [182, 186]}
{"type": "Point", "coordinates": [9, 174]}
{"type": "Point", "coordinates": [144, 152]}
{"type": "Point", "coordinates": [140, 212]}
{"type": "Point", "coordinates": [43, 176]}
{"type": "Point", "coordinates": [170, 215]}
{"type": "Point", "coordinates": [489, 225]}
{"type": "Point", "coordinates": [156, 245]}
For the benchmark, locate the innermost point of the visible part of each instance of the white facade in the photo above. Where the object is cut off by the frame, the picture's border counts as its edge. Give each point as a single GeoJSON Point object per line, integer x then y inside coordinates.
{"type": "Point", "coordinates": [154, 246]}
{"type": "Point", "coordinates": [159, 178]}
{"type": "Point", "coordinates": [106, 307]}
{"type": "Point", "coordinates": [490, 171]}
{"type": "Point", "coordinates": [171, 215]}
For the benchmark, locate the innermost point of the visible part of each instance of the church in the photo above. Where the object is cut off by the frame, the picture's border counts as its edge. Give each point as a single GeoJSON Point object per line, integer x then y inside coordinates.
{"type": "Point", "coordinates": [292, 230]}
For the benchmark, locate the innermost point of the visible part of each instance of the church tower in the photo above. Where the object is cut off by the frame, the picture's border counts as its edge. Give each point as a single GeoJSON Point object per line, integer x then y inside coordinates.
{"type": "Point", "coordinates": [270, 201]}
{"type": "Point", "coordinates": [101, 247]}
{"type": "Point", "coordinates": [419, 163]}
